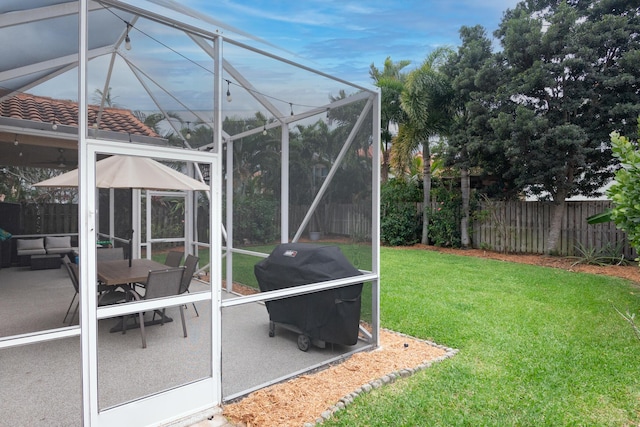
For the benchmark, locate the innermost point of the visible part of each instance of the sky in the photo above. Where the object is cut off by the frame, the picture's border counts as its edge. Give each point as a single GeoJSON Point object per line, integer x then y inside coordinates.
{"type": "Point", "coordinates": [344, 37]}
{"type": "Point", "coordinates": [341, 38]}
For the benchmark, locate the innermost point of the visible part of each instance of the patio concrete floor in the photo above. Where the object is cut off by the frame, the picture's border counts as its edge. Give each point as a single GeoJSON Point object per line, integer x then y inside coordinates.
{"type": "Point", "coordinates": [41, 383]}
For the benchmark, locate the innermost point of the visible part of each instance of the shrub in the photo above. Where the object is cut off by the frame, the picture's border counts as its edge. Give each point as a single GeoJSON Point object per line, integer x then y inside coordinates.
{"type": "Point", "coordinates": [400, 221]}
{"type": "Point", "coordinates": [444, 219]}
{"type": "Point", "coordinates": [625, 191]}
{"type": "Point", "coordinates": [254, 219]}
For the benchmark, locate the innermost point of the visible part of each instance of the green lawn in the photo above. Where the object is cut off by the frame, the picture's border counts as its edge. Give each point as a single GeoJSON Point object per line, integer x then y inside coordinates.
{"type": "Point", "coordinates": [358, 255]}
{"type": "Point", "coordinates": [538, 346]}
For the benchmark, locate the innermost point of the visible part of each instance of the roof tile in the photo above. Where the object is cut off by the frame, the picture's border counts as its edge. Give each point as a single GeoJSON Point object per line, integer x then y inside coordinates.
{"type": "Point", "coordinates": [49, 110]}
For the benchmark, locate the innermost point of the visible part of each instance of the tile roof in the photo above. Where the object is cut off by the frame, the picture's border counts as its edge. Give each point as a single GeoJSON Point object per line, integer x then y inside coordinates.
{"type": "Point", "coordinates": [48, 110]}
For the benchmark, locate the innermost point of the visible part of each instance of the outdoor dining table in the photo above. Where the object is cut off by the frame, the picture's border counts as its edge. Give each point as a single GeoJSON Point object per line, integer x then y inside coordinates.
{"type": "Point", "coordinates": [118, 273]}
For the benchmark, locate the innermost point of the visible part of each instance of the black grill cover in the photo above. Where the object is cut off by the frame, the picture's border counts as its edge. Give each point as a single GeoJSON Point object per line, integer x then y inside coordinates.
{"type": "Point", "coordinates": [332, 315]}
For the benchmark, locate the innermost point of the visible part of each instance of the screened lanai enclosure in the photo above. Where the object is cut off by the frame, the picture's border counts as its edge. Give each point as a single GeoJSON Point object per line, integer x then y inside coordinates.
{"type": "Point", "coordinates": [286, 164]}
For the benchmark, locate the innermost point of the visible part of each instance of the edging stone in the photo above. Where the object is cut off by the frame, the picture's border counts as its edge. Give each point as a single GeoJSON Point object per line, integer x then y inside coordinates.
{"type": "Point", "coordinates": [386, 379]}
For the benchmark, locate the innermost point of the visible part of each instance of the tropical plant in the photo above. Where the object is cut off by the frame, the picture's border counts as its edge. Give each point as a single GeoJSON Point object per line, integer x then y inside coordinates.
{"type": "Point", "coordinates": [609, 254]}
{"type": "Point", "coordinates": [255, 157]}
{"type": "Point", "coordinates": [16, 185]}
{"type": "Point", "coordinates": [100, 97]}
{"type": "Point", "coordinates": [426, 100]}
{"type": "Point", "coordinates": [391, 83]}
{"type": "Point", "coordinates": [625, 191]}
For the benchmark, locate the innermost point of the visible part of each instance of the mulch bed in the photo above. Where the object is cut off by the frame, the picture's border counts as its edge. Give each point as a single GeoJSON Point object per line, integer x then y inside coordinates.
{"type": "Point", "coordinates": [303, 399]}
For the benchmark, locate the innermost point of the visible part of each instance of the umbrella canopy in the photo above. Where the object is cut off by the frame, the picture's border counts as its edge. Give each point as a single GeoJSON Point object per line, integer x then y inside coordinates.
{"type": "Point", "coordinates": [130, 172]}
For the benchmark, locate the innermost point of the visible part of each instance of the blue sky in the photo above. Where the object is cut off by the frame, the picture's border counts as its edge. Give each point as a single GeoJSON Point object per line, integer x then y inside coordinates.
{"type": "Point", "coordinates": [344, 37]}
{"type": "Point", "coordinates": [340, 38]}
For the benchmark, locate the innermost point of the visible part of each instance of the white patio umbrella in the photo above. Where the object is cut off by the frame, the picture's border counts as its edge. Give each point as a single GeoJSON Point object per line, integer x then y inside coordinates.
{"type": "Point", "coordinates": [130, 172]}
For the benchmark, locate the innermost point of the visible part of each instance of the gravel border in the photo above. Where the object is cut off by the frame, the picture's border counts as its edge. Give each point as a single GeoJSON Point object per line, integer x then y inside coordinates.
{"type": "Point", "coordinates": [386, 379]}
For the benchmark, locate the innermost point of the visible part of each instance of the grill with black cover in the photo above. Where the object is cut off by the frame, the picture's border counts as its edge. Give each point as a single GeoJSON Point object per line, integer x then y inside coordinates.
{"type": "Point", "coordinates": [331, 315]}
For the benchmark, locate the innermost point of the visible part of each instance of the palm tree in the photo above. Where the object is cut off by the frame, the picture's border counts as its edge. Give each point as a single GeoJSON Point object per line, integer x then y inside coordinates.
{"type": "Point", "coordinates": [391, 82]}
{"type": "Point", "coordinates": [109, 101]}
{"type": "Point", "coordinates": [427, 102]}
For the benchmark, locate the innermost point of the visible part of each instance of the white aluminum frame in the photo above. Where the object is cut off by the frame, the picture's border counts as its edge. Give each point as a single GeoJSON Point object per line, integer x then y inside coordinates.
{"type": "Point", "coordinates": [203, 394]}
{"type": "Point", "coordinates": [163, 406]}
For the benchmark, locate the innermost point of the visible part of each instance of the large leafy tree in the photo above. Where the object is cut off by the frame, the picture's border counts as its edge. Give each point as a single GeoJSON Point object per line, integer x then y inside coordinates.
{"type": "Point", "coordinates": [16, 185]}
{"type": "Point", "coordinates": [469, 130]}
{"type": "Point", "coordinates": [311, 156]}
{"type": "Point", "coordinates": [426, 100]}
{"type": "Point", "coordinates": [352, 181]}
{"type": "Point", "coordinates": [391, 83]}
{"type": "Point", "coordinates": [567, 77]}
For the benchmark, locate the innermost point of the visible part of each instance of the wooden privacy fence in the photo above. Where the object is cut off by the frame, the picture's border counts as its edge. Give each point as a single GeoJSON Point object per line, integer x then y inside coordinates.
{"type": "Point", "coordinates": [522, 227]}
{"type": "Point", "coordinates": [352, 220]}
{"type": "Point", "coordinates": [49, 218]}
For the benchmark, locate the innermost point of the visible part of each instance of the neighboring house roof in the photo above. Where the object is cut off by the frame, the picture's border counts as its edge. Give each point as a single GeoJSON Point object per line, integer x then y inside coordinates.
{"type": "Point", "coordinates": [49, 110]}
{"type": "Point", "coordinates": [43, 132]}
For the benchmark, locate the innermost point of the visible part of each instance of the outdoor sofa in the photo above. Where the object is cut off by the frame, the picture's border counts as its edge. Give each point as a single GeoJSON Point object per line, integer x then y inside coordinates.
{"type": "Point", "coordinates": [48, 245]}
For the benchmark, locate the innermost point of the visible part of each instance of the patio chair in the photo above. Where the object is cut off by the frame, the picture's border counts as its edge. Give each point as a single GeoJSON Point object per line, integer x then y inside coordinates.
{"type": "Point", "coordinates": [174, 258]}
{"type": "Point", "coordinates": [160, 283]}
{"type": "Point", "coordinates": [111, 296]}
{"type": "Point", "coordinates": [190, 265]}
{"type": "Point", "coordinates": [74, 281]}
{"type": "Point", "coordinates": [110, 254]}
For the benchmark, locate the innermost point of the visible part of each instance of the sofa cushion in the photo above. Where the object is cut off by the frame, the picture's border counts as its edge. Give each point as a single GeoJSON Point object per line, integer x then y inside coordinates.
{"type": "Point", "coordinates": [30, 246]}
{"type": "Point", "coordinates": [57, 245]}
{"type": "Point", "coordinates": [60, 250]}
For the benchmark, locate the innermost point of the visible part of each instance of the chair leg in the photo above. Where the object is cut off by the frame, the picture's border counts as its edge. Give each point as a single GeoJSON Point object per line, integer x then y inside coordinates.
{"type": "Point", "coordinates": [194, 305]}
{"type": "Point", "coordinates": [73, 316]}
{"type": "Point", "coordinates": [125, 320]}
{"type": "Point", "coordinates": [69, 309]}
{"type": "Point", "coordinates": [144, 338]}
{"type": "Point", "coordinates": [184, 325]}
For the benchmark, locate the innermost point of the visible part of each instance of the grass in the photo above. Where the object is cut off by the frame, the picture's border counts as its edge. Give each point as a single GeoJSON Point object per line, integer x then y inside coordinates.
{"type": "Point", "coordinates": [358, 255]}
{"type": "Point", "coordinates": [538, 346]}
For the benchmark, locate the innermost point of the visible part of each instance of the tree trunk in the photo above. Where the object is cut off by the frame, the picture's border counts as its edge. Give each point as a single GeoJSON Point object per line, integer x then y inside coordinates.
{"type": "Point", "coordinates": [464, 221]}
{"type": "Point", "coordinates": [385, 165]}
{"type": "Point", "coordinates": [426, 180]}
{"type": "Point", "coordinates": [559, 208]}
